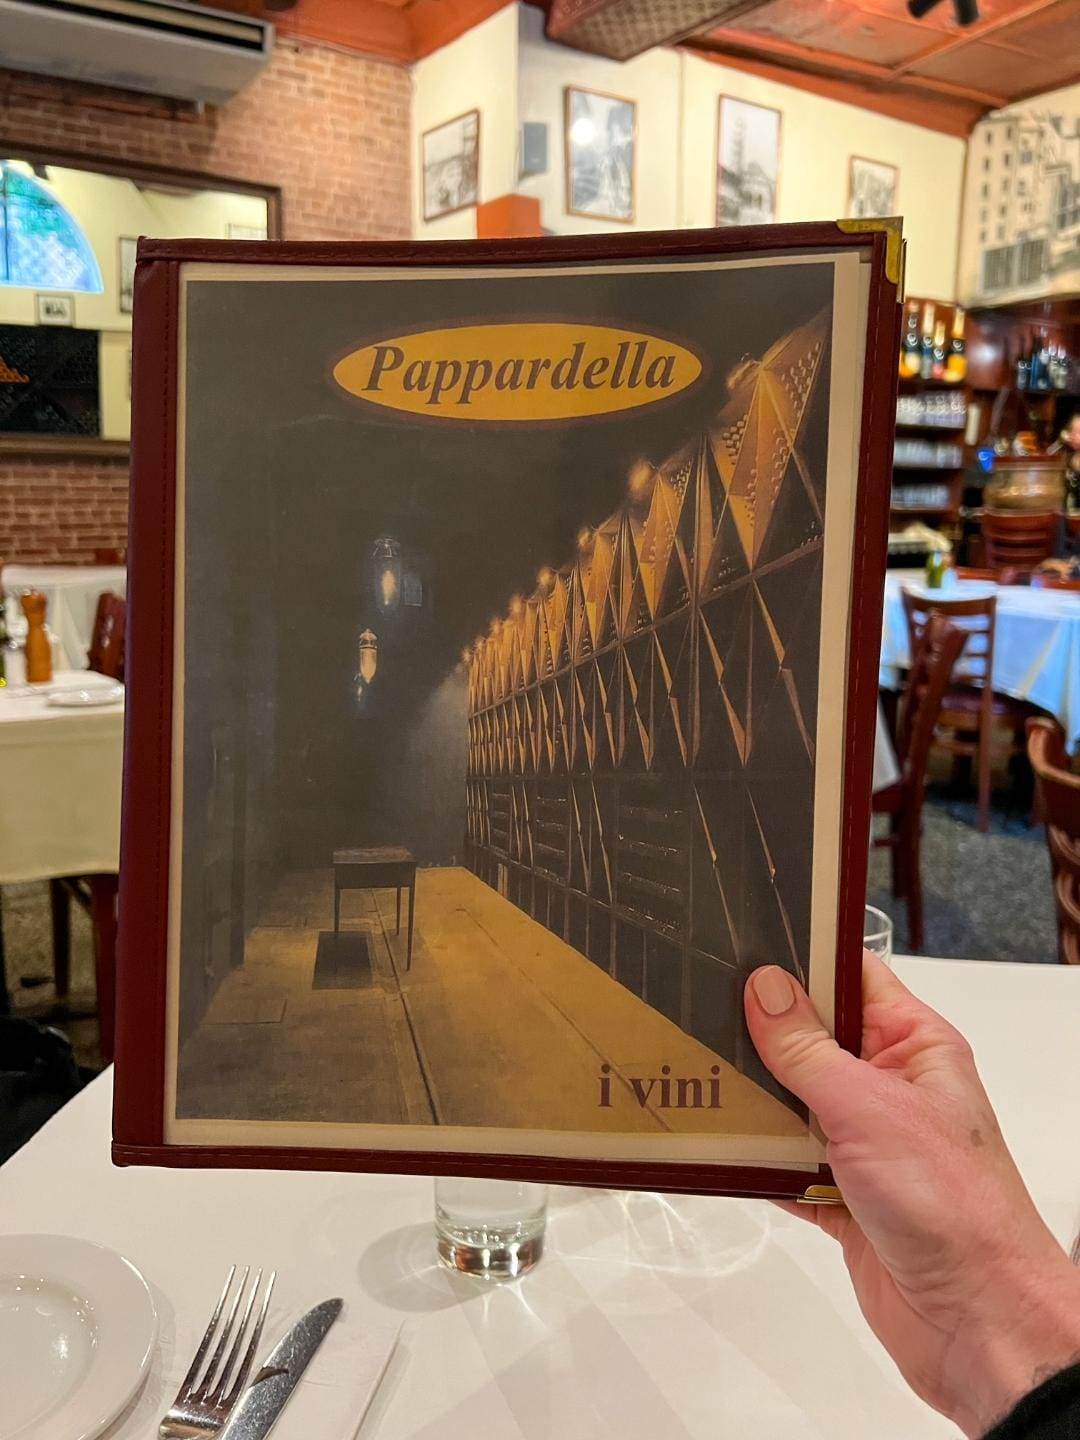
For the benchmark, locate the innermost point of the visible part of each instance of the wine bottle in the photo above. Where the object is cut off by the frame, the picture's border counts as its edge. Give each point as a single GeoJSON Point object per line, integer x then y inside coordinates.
{"type": "Point", "coordinates": [956, 363]}
{"type": "Point", "coordinates": [1040, 379]}
{"type": "Point", "coordinates": [1023, 368]}
{"type": "Point", "coordinates": [910, 345]}
{"type": "Point", "coordinates": [926, 343]}
{"type": "Point", "coordinates": [939, 351]}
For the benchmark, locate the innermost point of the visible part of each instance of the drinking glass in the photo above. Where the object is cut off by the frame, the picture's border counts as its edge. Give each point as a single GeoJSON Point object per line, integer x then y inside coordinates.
{"type": "Point", "coordinates": [877, 933]}
{"type": "Point", "coordinates": [493, 1229]}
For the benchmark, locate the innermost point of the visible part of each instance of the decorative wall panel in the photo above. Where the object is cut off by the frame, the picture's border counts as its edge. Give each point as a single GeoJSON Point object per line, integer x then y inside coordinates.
{"type": "Point", "coordinates": [633, 720]}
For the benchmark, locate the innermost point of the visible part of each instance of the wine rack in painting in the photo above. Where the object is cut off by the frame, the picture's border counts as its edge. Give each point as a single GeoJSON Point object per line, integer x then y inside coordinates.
{"type": "Point", "coordinates": [641, 727]}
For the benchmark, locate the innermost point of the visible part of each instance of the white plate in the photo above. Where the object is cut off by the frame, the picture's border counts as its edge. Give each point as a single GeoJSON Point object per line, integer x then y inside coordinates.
{"type": "Point", "coordinates": [77, 1328]}
{"type": "Point", "coordinates": [77, 699]}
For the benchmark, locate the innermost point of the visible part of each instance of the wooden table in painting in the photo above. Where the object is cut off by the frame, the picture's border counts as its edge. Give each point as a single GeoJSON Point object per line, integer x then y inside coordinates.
{"type": "Point", "coordinates": [386, 867]}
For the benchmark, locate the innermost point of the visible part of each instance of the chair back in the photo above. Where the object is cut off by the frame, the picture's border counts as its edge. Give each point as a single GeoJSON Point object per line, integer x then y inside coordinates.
{"type": "Point", "coordinates": [106, 653]}
{"type": "Point", "coordinates": [1018, 538]}
{"type": "Point", "coordinates": [1058, 792]}
{"type": "Point", "coordinates": [978, 619]}
{"type": "Point", "coordinates": [939, 648]}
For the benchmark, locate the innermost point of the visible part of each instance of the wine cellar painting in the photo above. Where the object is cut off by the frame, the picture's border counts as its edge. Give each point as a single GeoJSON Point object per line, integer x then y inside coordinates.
{"type": "Point", "coordinates": [642, 726]}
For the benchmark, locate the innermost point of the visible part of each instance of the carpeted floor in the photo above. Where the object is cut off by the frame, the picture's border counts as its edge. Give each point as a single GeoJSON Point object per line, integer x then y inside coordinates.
{"type": "Point", "coordinates": [987, 897]}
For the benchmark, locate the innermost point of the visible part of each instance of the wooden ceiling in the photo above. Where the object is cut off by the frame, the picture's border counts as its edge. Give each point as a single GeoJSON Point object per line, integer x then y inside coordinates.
{"type": "Point", "coordinates": [929, 70]}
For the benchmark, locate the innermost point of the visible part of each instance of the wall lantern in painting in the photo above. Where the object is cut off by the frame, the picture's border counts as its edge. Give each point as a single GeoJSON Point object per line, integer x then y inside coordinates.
{"type": "Point", "coordinates": [367, 659]}
{"type": "Point", "coordinates": [386, 565]}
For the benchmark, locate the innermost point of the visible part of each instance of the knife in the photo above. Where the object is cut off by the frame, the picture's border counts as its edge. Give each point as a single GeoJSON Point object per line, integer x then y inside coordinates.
{"type": "Point", "coordinates": [264, 1399]}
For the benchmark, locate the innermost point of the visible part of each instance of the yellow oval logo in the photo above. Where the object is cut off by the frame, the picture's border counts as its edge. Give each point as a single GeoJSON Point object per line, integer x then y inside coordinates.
{"type": "Point", "coordinates": [523, 372]}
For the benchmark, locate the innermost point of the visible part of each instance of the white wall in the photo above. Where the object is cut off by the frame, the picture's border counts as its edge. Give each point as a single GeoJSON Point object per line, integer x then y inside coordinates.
{"type": "Point", "coordinates": [106, 207]}
{"type": "Point", "coordinates": [677, 97]}
{"type": "Point", "coordinates": [478, 71]}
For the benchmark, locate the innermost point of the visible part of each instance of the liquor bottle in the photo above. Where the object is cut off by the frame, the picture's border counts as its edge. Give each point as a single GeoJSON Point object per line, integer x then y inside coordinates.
{"type": "Point", "coordinates": [909, 345]}
{"type": "Point", "coordinates": [1023, 368]}
{"type": "Point", "coordinates": [1040, 364]}
{"type": "Point", "coordinates": [926, 343]}
{"type": "Point", "coordinates": [956, 363]}
{"type": "Point", "coordinates": [938, 369]}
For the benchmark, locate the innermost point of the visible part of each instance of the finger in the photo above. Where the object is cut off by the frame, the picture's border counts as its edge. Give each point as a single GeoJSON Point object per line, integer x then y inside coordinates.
{"type": "Point", "coordinates": [832, 1219]}
{"type": "Point", "coordinates": [893, 1016]}
{"type": "Point", "coordinates": [798, 1050]}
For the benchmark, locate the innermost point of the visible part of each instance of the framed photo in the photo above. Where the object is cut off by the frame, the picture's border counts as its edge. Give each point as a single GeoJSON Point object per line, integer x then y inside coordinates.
{"type": "Point", "coordinates": [747, 162]}
{"type": "Point", "coordinates": [126, 246]}
{"type": "Point", "coordinates": [450, 165]}
{"type": "Point", "coordinates": [458, 861]}
{"type": "Point", "coordinates": [601, 139]}
{"type": "Point", "coordinates": [872, 189]}
{"type": "Point", "coordinates": [50, 309]}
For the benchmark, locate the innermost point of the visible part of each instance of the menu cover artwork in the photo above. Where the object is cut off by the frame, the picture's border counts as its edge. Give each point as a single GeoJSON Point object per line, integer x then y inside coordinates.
{"type": "Point", "coordinates": [499, 699]}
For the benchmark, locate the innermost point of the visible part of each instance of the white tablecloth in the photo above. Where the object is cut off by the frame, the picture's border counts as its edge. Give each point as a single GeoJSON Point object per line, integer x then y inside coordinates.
{"type": "Point", "coordinates": [59, 784]}
{"type": "Point", "coordinates": [72, 593]}
{"type": "Point", "coordinates": [886, 768]}
{"type": "Point", "coordinates": [650, 1318]}
{"type": "Point", "coordinates": [1036, 644]}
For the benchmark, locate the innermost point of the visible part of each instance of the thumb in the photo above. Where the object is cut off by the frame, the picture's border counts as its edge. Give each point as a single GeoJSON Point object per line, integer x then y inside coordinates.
{"type": "Point", "coordinates": [796, 1047]}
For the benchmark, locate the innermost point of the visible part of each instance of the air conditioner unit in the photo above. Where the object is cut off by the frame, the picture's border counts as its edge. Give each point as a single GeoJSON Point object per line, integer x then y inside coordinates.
{"type": "Point", "coordinates": [158, 47]}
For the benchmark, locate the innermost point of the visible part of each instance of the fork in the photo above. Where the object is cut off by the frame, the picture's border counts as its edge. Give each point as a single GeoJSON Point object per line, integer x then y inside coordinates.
{"type": "Point", "coordinates": [207, 1396]}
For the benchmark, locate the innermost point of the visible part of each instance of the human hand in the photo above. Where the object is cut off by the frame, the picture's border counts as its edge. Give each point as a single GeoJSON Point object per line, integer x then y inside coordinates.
{"type": "Point", "coordinates": [954, 1268]}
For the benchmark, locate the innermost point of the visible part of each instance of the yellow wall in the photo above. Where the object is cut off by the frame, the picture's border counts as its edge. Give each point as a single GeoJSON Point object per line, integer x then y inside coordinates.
{"type": "Point", "coordinates": [107, 207]}
{"type": "Point", "coordinates": [677, 97]}
{"type": "Point", "coordinates": [478, 71]}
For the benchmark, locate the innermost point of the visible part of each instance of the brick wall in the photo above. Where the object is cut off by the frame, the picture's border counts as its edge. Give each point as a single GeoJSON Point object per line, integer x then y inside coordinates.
{"type": "Point", "coordinates": [62, 510]}
{"type": "Point", "coordinates": [331, 129]}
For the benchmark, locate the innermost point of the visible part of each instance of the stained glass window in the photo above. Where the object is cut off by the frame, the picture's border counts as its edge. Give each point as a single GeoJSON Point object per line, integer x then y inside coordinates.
{"type": "Point", "coordinates": [40, 243]}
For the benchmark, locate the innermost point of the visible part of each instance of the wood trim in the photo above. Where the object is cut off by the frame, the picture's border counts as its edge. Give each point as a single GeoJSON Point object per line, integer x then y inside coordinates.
{"type": "Point", "coordinates": [62, 447]}
{"type": "Point", "coordinates": [981, 31]}
{"type": "Point", "coordinates": [397, 30]}
{"type": "Point", "coordinates": [943, 114]}
{"type": "Point", "coordinates": [434, 23]}
{"type": "Point", "coordinates": [630, 219]}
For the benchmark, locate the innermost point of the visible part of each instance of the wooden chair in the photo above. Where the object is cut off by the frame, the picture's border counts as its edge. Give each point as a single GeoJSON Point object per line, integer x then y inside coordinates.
{"type": "Point", "coordinates": [1018, 538]}
{"type": "Point", "coordinates": [1057, 791]}
{"type": "Point", "coordinates": [106, 652]}
{"type": "Point", "coordinates": [971, 713]}
{"type": "Point", "coordinates": [940, 645]}
{"type": "Point", "coordinates": [96, 894]}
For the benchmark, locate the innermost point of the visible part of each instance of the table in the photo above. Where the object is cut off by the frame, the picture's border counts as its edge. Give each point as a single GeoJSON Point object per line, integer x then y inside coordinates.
{"type": "Point", "coordinates": [1036, 646]}
{"type": "Point", "coordinates": [389, 867]}
{"type": "Point", "coordinates": [674, 1317]}
{"type": "Point", "coordinates": [72, 593]}
{"type": "Point", "coordinates": [60, 773]}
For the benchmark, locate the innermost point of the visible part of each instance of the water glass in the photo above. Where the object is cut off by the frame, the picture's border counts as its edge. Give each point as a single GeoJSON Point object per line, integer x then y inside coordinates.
{"type": "Point", "coordinates": [878, 933]}
{"type": "Point", "coordinates": [493, 1229]}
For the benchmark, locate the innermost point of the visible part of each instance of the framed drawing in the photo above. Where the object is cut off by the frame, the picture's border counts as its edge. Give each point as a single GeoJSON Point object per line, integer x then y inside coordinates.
{"type": "Point", "coordinates": [747, 162]}
{"type": "Point", "coordinates": [601, 138]}
{"type": "Point", "coordinates": [125, 266]}
{"type": "Point", "coordinates": [450, 165]}
{"type": "Point", "coordinates": [872, 189]}
{"type": "Point", "coordinates": [456, 858]}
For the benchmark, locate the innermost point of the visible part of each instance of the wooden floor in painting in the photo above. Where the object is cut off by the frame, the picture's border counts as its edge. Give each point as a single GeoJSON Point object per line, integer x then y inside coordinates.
{"type": "Point", "coordinates": [497, 1022]}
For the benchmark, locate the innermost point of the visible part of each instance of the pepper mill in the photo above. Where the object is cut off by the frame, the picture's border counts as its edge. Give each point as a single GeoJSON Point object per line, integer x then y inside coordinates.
{"type": "Point", "coordinates": [38, 648]}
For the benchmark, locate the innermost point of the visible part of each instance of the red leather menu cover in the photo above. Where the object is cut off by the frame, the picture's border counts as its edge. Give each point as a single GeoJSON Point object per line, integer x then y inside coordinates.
{"type": "Point", "coordinates": [504, 622]}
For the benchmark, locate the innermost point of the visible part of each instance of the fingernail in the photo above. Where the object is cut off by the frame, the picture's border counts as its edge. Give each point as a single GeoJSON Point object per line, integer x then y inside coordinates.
{"type": "Point", "coordinates": [774, 990]}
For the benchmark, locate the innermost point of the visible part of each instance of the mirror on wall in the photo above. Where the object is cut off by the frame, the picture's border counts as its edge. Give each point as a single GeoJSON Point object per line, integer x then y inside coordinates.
{"type": "Point", "coordinates": [67, 258]}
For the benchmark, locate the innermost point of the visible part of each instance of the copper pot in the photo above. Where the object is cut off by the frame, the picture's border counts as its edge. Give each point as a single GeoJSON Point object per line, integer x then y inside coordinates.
{"type": "Point", "coordinates": [1026, 482]}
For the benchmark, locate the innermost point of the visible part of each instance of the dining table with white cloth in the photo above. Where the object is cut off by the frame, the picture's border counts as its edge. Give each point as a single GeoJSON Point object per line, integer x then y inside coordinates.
{"type": "Point", "coordinates": [71, 594]}
{"type": "Point", "coordinates": [1036, 642]}
{"type": "Point", "coordinates": [60, 772]}
{"type": "Point", "coordinates": [649, 1316]}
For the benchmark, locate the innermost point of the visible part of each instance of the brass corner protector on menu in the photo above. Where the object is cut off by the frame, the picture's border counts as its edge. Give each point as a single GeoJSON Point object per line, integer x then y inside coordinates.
{"type": "Point", "coordinates": [503, 693]}
{"type": "Point", "coordinates": [896, 248]}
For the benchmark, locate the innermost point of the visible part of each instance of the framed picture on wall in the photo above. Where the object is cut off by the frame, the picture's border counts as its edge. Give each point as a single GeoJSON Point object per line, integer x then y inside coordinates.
{"type": "Point", "coordinates": [126, 247]}
{"type": "Point", "coordinates": [458, 859]}
{"type": "Point", "coordinates": [747, 162]}
{"type": "Point", "coordinates": [601, 138]}
{"type": "Point", "coordinates": [52, 309]}
{"type": "Point", "coordinates": [872, 189]}
{"type": "Point", "coordinates": [450, 165]}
